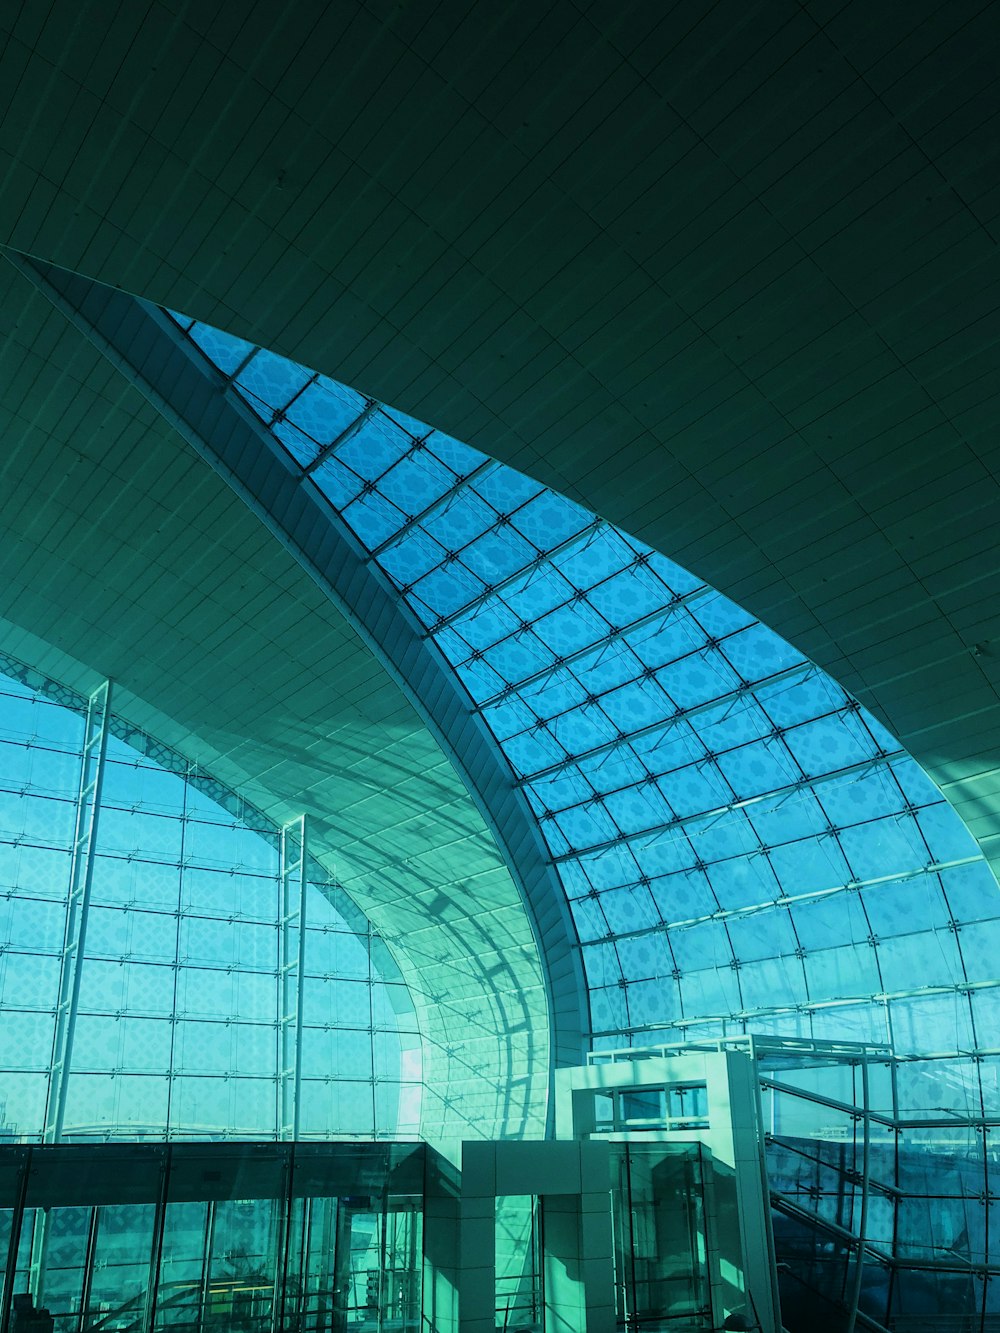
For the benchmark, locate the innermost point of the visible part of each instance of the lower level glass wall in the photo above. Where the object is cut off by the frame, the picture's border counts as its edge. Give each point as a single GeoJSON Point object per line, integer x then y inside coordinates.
{"type": "Point", "coordinates": [177, 1026]}
{"type": "Point", "coordinates": [252, 1237]}
{"type": "Point", "coordinates": [661, 1259]}
{"type": "Point", "coordinates": [366, 1237]}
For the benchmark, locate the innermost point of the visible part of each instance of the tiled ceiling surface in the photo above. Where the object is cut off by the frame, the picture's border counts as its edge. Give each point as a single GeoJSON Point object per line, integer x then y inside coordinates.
{"type": "Point", "coordinates": [728, 274]}
{"type": "Point", "coordinates": [124, 555]}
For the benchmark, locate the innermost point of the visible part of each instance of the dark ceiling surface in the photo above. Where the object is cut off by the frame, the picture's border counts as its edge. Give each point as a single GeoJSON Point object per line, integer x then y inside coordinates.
{"type": "Point", "coordinates": [726, 273]}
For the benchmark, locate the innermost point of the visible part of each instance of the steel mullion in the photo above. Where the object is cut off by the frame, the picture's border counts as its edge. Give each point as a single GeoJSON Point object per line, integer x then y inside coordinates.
{"type": "Point", "coordinates": [92, 767]}
{"type": "Point", "coordinates": [668, 720]}
{"type": "Point", "coordinates": [613, 636]}
{"type": "Point", "coordinates": [14, 1241]}
{"type": "Point", "coordinates": [806, 784]}
{"type": "Point", "coordinates": [291, 976]}
{"type": "Point", "coordinates": [863, 1217]}
{"type": "Point", "coordinates": [156, 1243]}
{"type": "Point", "coordinates": [813, 1006]}
{"type": "Point", "coordinates": [498, 589]}
{"type": "Point", "coordinates": [93, 1232]}
{"type": "Point", "coordinates": [649, 775]}
{"type": "Point", "coordinates": [793, 900]}
{"type": "Point", "coordinates": [435, 507]}
{"type": "Point", "coordinates": [348, 433]}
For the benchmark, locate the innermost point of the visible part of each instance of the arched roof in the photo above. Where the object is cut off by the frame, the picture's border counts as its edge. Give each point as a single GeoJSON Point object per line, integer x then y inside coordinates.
{"type": "Point", "coordinates": [726, 275]}
{"type": "Point", "coordinates": [741, 845]}
{"type": "Point", "coordinates": [126, 556]}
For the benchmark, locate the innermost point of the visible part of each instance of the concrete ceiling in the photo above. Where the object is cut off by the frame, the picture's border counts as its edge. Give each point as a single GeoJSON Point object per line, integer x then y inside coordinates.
{"type": "Point", "coordinates": [728, 274]}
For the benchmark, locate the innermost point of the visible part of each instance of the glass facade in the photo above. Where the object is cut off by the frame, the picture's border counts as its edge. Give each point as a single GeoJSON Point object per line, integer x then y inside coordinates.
{"type": "Point", "coordinates": [178, 1029]}
{"type": "Point", "coordinates": [743, 846]}
{"type": "Point", "coordinates": [253, 1237]}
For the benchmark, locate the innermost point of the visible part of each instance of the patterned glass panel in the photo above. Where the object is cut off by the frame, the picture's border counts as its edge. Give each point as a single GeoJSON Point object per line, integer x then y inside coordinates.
{"type": "Point", "coordinates": [177, 1027]}
{"type": "Point", "coordinates": [742, 845]}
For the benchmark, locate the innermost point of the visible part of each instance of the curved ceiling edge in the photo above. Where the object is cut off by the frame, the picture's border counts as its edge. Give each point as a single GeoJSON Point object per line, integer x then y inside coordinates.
{"type": "Point", "coordinates": [142, 343]}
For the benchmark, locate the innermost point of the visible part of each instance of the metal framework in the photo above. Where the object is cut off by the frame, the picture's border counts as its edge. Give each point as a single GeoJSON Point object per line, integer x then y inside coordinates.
{"type": "Point", "coordinates": [292, 884]}
{"type": "Point", "coordinates": [88, 810]}
{"type": "Point", "coordinates": [148, 346]}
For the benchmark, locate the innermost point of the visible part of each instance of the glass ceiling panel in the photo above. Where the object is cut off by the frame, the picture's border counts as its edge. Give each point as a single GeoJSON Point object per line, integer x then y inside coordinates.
{"type": "Point", "coordinates": [741, 843]}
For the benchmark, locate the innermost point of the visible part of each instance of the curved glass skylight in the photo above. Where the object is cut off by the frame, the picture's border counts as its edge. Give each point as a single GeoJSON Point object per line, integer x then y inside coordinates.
{"type": "Point", "coordinates": [177, 1033]}
{"type": "Point", "coordinates": [742, 844]}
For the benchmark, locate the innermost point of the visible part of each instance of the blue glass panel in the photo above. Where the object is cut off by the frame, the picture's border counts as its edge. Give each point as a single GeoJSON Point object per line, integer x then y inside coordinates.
{"type": "Point", "coordinates": [755, 652]}
{"type": "Point", "coordinates": [497, 554]}
{"type": "Point", "coordinates": [222, 349]}
{"type": "Point", "coordinates": [788, 818]}
{"type": "Point", "coordinates": [583, 728]}
{"type": "Point", "coordinates": [535, 749]}
{"type": "Point", "coordinates": [299, 445]}
{"type": "Point", "coordinates": [638, 808]}
{"type": "Point", "coordinates": [884, 846]}
{"type": "Point", "coordinates": [696, 679]}
{"type": "Point", "coordinates": [417, 481]}
{"type": "Point", "coordinates": [325, 409]}
{"type": "Point", "coordinates": [755, 770]}
{"type": "Point", "coordinates": [505, 490]}
{"type": "Point", "coordinates": [519, 656]}
{"type": "Point", "coordinates": [946, 837]}
{"type": "Point", "coordinates": [837, 919]}
{"type": "Point", "coordinates": [449, 588]}
{"type": "Point", "coordinates": [555, 694]}
{"type": "Point", "coordinates": [465, 519]}
{"type": "Point", "coordinates": [798, 698]}
{"type": "Point", "coordinates": [598, 554]}
{"type": "Point", "coordinates": [415, 554]}
{"type": "Point", "coordinates": [589, 919]}
{"type": "Point", "coordinates": [653, 1002]}
{"type": "Point", "coordinates": [549, 520]}
{"type": "Point", "coordinates": [339, 484]}
{"type": "Point", "coordinates": [373, 518]}
{"type": "Point", "coordinates": [713, 991]}
{"type": "Point", "coordinates": [269, 381]}
{"type": "Point", "coordinates": [609, 606]}
{"type": "Point", "coordinates": [831, 743]}
{"type": "Point", "coordinates": [459, 457]}
{"type": "Point", "coordinates": [761, 935]}
{"type": "Point", "coordinates": [601, 962]}
{"type": "Point", "coordinates": [895, 905]}
{"type": "Point", "coordinates": [685, 896]}
{"type": "Point", "coordinates": [567, 629]}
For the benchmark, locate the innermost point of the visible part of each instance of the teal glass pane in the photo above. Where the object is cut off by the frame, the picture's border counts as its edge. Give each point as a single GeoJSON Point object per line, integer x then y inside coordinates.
{"type": "Point", "coordinates": [684, 763]}
{"type": "Point", "coordinates": [178, 980]}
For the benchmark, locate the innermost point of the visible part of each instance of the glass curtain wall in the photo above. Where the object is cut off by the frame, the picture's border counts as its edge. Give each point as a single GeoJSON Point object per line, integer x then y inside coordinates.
{"type": "Point", "coordinates": [253, 1237]}
{"type": "Point", "coordinates": [744, 847]}
{"type": "Point", "coordinates": [742, 844]}
{"type": "Point", "coordinates": [177, 1027]}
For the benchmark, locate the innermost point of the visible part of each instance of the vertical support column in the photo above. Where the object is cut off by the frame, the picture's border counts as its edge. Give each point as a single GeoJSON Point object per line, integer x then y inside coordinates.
{"type": "Point", "coordinates": [477, 1238]}
{"type": "Point", "coordinates": [442, 1234]}
{"type": "Point", "coordinates": [156, 1245]}
{"type": "Point", "coordinates": [291, 974]}
{"type": "Point", "coordinates": [854, 1298]}
{"type": "Point", "coordinates": [573, 1184]}
{"type": "Point", "coordinates": [81, 881]}
{"type": "Point", "coordinates": [20, 1192]}
{"type": "Point", "coordinates": [742, 1198]}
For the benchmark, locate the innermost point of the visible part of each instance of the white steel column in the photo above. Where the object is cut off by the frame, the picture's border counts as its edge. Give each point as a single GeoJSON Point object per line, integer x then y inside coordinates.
{"type": "Point", "coordinates": [81, 880]}
{"type": "Point", "coordinates": [291, 974]}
